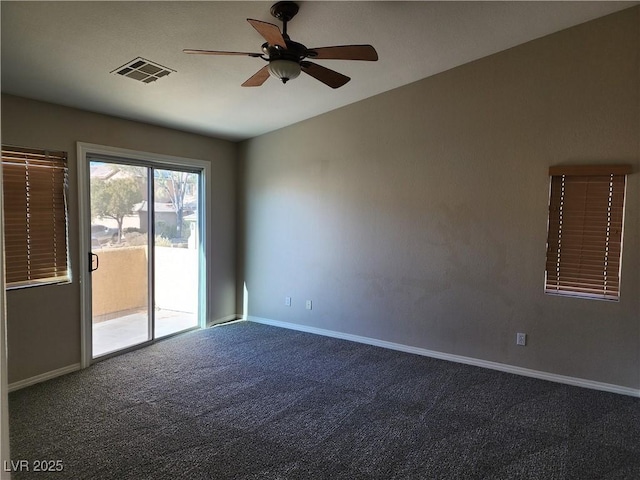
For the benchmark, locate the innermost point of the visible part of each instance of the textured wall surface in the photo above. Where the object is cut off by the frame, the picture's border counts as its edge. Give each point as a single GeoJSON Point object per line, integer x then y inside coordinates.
{"type": "Point", "coordinates": [120, 284]}
{"type": "Point", "coordinates": [419, 216]}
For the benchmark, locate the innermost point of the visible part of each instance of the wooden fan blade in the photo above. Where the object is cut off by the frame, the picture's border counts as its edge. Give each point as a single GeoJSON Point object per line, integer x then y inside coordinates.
{"type": "Point", "coordinates": [216, 52]}
{"type": "Point", "coordinates": [345, 52]}
{"type": "Point", "coordinates": [325, 75]}
{"type": "Point", "coordinates": [258, 78]}
{"type": "Point", "coordinates": [269, 31]}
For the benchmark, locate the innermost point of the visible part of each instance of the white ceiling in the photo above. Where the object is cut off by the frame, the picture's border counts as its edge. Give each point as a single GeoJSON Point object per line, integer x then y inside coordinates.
{"type": "Point", "coordinates": [63, 52]}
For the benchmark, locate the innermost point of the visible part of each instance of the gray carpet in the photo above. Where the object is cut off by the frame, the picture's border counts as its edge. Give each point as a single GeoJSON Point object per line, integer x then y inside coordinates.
{"type": "Point", "coordinates": [248, 401]}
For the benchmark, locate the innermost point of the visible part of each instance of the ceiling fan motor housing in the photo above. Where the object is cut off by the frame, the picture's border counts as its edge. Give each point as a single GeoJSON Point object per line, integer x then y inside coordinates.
{"type": "Point", "coordinates": [294, 52]}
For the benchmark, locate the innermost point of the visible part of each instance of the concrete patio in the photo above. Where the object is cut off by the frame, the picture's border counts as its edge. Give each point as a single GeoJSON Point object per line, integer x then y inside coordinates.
{"type": "Point", "coordinates": [132, 329]}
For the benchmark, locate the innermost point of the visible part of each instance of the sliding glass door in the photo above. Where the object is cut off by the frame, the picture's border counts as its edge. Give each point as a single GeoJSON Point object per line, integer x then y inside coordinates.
{"type": "Point", "coordinates": [145, 256]}
{"type": "Point", "coordinates": [176, 252]}
{"type": "Point", "coordinates": [120, 290]}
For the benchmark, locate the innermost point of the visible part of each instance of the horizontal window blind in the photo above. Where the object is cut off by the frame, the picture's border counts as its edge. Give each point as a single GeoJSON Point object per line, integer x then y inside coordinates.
{"type": "Point", "coordinates": [584, 245]}
{"type": "Point", "coordinates": [35, 215]}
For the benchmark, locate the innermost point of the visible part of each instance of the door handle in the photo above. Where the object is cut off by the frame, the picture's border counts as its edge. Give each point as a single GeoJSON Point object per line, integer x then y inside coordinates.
{"type": "Point", "coordinates": [91, 257]}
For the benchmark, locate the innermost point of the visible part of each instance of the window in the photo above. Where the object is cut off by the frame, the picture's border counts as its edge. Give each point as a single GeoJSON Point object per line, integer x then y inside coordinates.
{"type": "Point", "coordinates": [584, 245]}
{"type": "Point", "coordinates": [35, 215]}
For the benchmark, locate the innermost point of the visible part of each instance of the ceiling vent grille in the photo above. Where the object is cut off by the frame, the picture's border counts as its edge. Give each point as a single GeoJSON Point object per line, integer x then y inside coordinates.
{"type": "Point", "coordinates": [143, 70]}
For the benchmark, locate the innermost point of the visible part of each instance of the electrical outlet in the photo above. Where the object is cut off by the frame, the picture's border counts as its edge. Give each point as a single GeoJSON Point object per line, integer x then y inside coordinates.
{"type": "Point", "coordinates": [521, 339]}
{"type": "Point", "coordinates": [308, 305]}
{"type": "Point", "coordinates": [287, 301]}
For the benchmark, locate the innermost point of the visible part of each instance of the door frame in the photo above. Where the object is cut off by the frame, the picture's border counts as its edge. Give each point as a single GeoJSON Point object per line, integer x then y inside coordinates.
{"type": "Point", "coordinates": [84, 152]}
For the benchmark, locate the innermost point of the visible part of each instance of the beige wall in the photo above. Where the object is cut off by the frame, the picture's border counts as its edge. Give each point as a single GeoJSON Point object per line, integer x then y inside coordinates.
{"type": "Point", "coordinates": [120, 283]}
{"type": "Point", "coordinates": [419, 216]}
{"type": "Point", "coordinates": [44, 322]}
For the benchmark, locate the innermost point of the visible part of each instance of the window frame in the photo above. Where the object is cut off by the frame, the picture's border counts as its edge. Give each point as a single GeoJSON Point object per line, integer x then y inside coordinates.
{"type": "Point", "coordinates": [48, 237]}
{"type": "Point", "coordinates": [593, 231]}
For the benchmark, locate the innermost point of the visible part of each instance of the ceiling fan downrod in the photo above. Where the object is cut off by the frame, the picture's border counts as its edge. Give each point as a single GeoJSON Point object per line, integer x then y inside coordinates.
{"type": "Point", "coordinates": [284, 11]}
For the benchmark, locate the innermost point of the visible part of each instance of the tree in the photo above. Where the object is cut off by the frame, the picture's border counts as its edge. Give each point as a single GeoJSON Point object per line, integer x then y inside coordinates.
{"type": "Point", "coordinates": [115, 198]}
{"type": "Point", "coordinates": [174, 185]}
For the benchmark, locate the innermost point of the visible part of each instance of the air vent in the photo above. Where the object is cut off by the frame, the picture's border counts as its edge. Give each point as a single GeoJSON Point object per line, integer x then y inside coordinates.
{"type": "Point", "coordinates": [143, 70]}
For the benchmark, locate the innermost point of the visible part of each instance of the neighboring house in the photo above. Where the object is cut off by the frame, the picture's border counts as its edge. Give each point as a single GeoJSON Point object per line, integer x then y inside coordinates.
{"type": "Point", "coordinates": [165, 215]}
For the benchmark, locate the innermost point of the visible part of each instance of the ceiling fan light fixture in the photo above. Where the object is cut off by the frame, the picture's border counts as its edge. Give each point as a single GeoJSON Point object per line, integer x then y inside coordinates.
{"type": "Point", "coordinates": [285, 70]}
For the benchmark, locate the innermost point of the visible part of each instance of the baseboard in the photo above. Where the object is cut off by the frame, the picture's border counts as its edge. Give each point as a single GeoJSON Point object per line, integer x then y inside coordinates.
{"type": "Point", "coordinates": [503, 367]}
{"type": "Point", "coordinates": [552, 377]}
{"type": "Point", "coordinates": [228, 318]}
{"type": "Point", "coordinates": [43, 377]}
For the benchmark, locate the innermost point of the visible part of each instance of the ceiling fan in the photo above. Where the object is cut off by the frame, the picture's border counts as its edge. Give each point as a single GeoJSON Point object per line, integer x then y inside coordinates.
{"type": "Point", "coordinates": [286, 58]}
